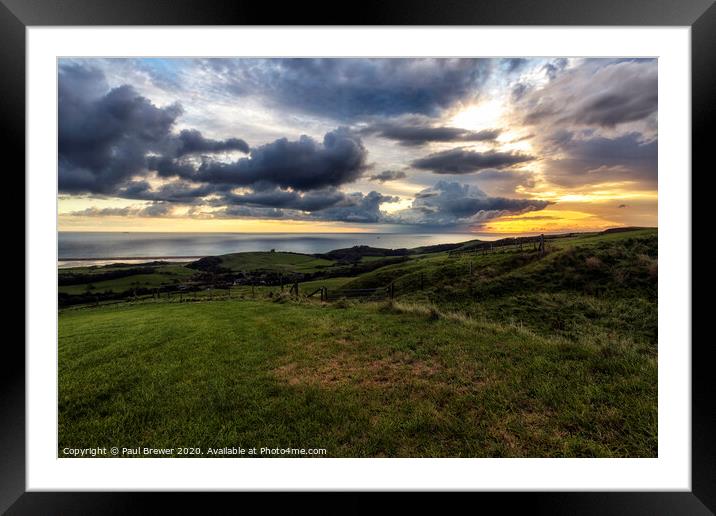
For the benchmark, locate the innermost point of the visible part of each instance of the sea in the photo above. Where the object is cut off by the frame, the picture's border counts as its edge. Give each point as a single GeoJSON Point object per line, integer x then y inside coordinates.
{"type": "Point", "coordinates": [99, 248]}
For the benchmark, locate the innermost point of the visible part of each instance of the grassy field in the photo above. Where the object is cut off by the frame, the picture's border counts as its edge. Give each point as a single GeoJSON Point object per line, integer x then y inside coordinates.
{"type": "Point", "coordinates": [163, 275]}
{"type": "Point", "coordinates": [309, 286]}
{"type": "Point", "coordinates": [504, 354]}
{"type": "Point", "coordinates": [276, 261]}
{"type": "Point", "coordinates": [365, 380]}
{"type": "Point", "coordinates": [271, 292]}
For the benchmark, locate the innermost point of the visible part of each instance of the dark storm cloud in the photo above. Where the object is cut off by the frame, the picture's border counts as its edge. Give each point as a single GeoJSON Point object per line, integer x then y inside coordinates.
{"type": "Point", "coordinates": [414, 134]}
{"type": "Point", "coordinates": [325, 205]}
{"type": "Point", "coordinates": [177, 191]}
{"type": "Point", "coordinates": [233, 212]}
{"type": "Point", "coordinates": [264, 199]}
{"type": "Point", "coordinates": [108, 140]}
{"type": "Point", "coordinates": [157, 210]}
{"type": "Point", "coordinates": [300, 175]}
{"type": "Point", "coordinates": [304, 164]}
{"type": "Point", "coordinates": [77, 83]}
{"type": "Point", "coordinates": [353, 88]}
{"type": "Point", "coordinates": [104, 141]}
{"type": "Point", "coordinates": [105, 136]}
{"type": "Point", "coordinates": [328, 204]}
{"type": "Point", "coordinates": [450, 203]}
{"type": "Point", "coordinates": [596, 95]}
{"type": "Point", "coordinates": [191, 141]}
{"type": "Point", "coordinates": [289, 199]}
{"type": "Point", "coordinates": [151, 210]}
{"type": "Point", "coordinates": [357, 207]}
{"type": "Point", "coordinates": [168, 166]}
{"type": "Point", "coordinates": [388, 175]}
{"type": "Point", "coordinates": [600, 160]}
{"type": "Point", "coordinates": [617, 106]}
{"type": "Point", "coordinates": [464, 161]}
{"type": "Point", "coordinates": [336, 206]}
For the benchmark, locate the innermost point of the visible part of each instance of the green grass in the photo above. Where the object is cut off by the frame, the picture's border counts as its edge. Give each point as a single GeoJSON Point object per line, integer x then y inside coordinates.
{"type": "Point", "coordinates": [97, 269]}
{"type": "Point", "coordinates": [332, 283]}
{"type": "Point", "coordinates": [498, 355]}
{"type": "Point", "coordinates": [609, 281]}
{"type": "Point", "coordinates": [362, 380]}
{"type": "Point", "coordinates": [385, 275]}
{"type": "Point", "coordinates": [371, 258]}
{"type": "Point", "coordinates": [619, 236]}
{"type": "Point", "coordinates": [163, 275]}
{"type": "Point", "coordinates": [277, 261]}
{"type": "Point", "coordinates": [261, 291]}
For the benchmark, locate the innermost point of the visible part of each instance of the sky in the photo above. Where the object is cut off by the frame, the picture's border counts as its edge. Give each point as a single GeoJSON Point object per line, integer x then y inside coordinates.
{"type": "Point", "coordinates": [499, 145]}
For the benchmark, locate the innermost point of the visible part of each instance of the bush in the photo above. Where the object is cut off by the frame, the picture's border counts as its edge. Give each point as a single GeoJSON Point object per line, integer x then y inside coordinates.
{"type": "Point", "coordinates": [208, 264]}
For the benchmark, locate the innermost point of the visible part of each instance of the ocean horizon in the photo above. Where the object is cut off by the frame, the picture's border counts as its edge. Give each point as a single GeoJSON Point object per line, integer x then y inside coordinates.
{"type": "Point", "coordinates": [89, 248]}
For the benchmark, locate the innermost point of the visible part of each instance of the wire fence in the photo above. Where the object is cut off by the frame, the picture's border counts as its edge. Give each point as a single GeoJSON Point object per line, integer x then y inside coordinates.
{"type": "Point", "coordinates": [225, 292]}
{"type": "Point", "coordinates": [520, 244]}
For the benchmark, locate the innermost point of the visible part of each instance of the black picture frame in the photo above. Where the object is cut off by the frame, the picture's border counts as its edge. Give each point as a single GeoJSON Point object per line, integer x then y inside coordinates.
{"type": "Point", "coordinates": [16, 15]}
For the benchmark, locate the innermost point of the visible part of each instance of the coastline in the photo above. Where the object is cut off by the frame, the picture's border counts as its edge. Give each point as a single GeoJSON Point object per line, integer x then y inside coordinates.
{"type": "Point", "coordinates": [66, 263]}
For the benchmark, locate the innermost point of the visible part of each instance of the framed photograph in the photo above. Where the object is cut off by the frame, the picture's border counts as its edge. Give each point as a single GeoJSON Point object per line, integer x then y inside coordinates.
{"type": "Point", "coordinates": [407, 249]}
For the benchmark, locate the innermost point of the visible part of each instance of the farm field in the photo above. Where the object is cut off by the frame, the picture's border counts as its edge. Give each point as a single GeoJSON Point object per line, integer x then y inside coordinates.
{"type": "Point", "coordinates": [144, 277]}
{"type": "Point", "coordinates": [504, 354]}
{"type": "Point", "coordinates": [277, 261]}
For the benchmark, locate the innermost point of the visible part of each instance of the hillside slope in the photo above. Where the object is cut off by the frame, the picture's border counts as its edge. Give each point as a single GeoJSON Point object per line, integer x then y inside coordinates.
{"type": "Point", "coordinates": [502, 354]}
{"type": "Point", "coordinates": [609, 280]}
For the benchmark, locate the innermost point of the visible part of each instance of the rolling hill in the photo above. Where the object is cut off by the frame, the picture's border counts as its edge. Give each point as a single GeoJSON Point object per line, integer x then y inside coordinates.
{"type": "Point", "coordinates": [510, 353]}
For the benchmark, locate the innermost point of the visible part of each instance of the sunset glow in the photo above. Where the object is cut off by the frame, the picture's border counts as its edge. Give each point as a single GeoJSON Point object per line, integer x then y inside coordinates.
{"type": "Point", "coordinates": [262, 145]}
